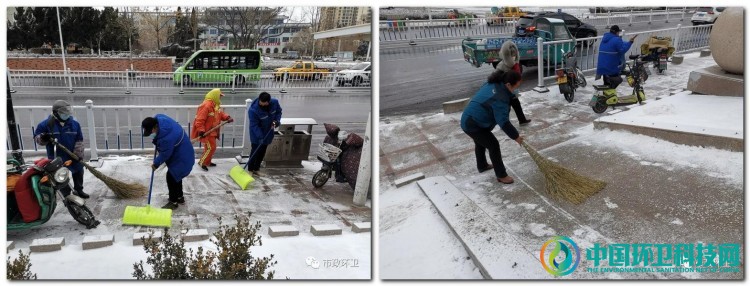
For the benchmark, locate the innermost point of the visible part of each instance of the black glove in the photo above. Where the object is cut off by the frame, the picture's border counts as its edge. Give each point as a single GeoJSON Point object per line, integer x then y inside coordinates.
{"type": "Point", "coordinates": [201, 134]}
{"type": "Point", "coordinates": [275, 123]}
{"type": "Point", "coordinates": [230, 120]}
{"type": "Point", "coordinates": [46, 137]}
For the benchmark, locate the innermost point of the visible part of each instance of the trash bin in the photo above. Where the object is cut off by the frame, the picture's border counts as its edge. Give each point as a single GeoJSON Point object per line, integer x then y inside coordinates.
{"type": "Point", "coordinates": [290, 146]}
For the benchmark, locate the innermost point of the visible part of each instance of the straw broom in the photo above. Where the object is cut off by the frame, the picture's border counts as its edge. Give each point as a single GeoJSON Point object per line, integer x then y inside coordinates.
{"type": "Point", "coordinates": [121, 189]}
{"type": "Point", "coordinates": [562, 183]}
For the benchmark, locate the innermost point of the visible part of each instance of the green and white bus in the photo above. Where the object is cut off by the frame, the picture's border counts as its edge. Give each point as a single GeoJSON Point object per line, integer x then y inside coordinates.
{"type": "Point", "coordinates": [220, 66]}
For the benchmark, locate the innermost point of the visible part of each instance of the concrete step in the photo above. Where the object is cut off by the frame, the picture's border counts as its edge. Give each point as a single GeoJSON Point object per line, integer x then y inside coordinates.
{"type": "Point", "coordinates": [496, 252]}
{"type": "Point", "coordinates": [282, 230]}
{"type": "Point", "coordinates": [325, 229]}
{"type": "Point", "coordinates": [47, 244]}
{"type": "Point", "coordinates": [98, 241]}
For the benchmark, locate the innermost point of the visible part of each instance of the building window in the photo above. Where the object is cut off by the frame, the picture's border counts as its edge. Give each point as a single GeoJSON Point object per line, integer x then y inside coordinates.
{"type": "Point", "coordinates": [283, 50]}
{"type": "Point", "coordinates": [285, 39]}
{"type": "Point", "coordinates": [213, 31]}
{"type": "Point", "coordinates": [268, 50]}
{"type": "Point", "coordinates": [275, 50]}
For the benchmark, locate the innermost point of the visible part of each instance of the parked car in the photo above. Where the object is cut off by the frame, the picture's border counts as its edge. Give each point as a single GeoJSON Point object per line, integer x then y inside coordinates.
{"type": "Point", "coordinates": [300, 70]}
{"type": "Point", "coordinates": [499, 16]}
{"type": "Point", "coordinates": [357, 75]}
{"type": "Point", "coordinates": [576, 27]}
{"type": "Point", "coordinates": [523, 23]}
{"type": "Point", "coordinates": [706, 15]}
{"type": "Point", "coordinates": [330, 59]}
{"type": "Point", "coordinates": [487, 50]}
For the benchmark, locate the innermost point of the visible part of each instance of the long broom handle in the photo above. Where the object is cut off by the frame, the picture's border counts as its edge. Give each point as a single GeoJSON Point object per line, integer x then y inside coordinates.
{"type": "Point", "coordinates": [192, 141]}
{"type": "Point", "coordinates": [74, 156]}
{"type": "Point", "coordinates": [151, 185]}
{"type": "Point", "coordinates": [256, 151]}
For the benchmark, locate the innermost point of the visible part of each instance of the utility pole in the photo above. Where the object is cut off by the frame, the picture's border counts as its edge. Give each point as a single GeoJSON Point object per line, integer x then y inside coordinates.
{"type": "Point", "coordinates": [15, 144]}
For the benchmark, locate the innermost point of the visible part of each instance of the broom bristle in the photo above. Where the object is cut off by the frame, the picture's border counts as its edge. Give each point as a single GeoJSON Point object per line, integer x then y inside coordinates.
{"type": "Point", "coordinates": [121, 189]}
{"type": "Point", "coordinates": [562, 183]}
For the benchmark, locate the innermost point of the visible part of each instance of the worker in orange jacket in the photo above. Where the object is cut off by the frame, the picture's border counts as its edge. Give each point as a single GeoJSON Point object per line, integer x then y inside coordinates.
{"type": "Point", "coordinates": [209, 115]}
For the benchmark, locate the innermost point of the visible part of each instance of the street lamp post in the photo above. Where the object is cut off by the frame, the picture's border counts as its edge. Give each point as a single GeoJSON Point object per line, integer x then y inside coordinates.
{"type": "Point", "coordinates": [62, 50]}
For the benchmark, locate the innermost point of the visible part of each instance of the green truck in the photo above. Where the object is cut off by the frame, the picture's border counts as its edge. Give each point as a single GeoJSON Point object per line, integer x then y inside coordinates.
{"type": "Point", "coordinates": [487, 50]}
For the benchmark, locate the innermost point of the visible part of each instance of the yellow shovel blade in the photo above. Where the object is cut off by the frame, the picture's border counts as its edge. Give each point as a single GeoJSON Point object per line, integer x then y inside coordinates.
{"type": "Point", "coordinates": [240, 176]}
{"type": "Point", "coordinates": [147, 216]}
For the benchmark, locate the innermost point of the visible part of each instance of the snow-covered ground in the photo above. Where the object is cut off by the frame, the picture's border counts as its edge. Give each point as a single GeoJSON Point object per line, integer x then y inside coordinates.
{"type": "Point", "coordinates": [277, 197]}
{"type": "Point", "coordinates": [658, 191]}
{"type": "Point", "coordinates": [291, 253]}
{"type": "Point", "coordinates": [415, 243]}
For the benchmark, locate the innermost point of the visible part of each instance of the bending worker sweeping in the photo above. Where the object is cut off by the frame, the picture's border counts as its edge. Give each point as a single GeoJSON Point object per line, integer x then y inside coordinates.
{"type": "Point", "coordinates": [489, 107]}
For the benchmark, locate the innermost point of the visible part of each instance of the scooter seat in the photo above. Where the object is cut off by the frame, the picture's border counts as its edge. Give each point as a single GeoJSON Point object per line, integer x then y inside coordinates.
{"type": "Point", "coordinates": [601, 87]}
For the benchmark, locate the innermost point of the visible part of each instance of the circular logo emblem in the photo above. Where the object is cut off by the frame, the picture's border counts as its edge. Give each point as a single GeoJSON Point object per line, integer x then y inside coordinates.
{"type": "Point", "coordinates": [563, 256]}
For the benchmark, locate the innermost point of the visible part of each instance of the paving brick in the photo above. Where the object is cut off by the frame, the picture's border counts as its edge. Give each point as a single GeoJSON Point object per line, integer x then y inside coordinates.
{"type": "Point", "coordinates": [98, 241]}
{"type": "Point", "coordinates": [282, 230]}
{"type": "Point", "coordinates": [137, 237]}
{"type": "Point", "coordinates": [10, 245]}
{"type": "Point", "coordinates": [361, 227]}
{"type": "Point", "coordinates": [195, 235]}
{"type": "Point", "coordinates": [325, 229]}
{"type": "Point", "coordinates": [408, 179]}
{"type": "Point", "coordinates": [47, 244]}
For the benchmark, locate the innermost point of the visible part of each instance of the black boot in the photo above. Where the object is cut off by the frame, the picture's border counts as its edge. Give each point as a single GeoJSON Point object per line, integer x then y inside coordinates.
{"type": "Point", "coordinates": [170, 205]}
{"type": "Point", "coordinates": [81, 194]}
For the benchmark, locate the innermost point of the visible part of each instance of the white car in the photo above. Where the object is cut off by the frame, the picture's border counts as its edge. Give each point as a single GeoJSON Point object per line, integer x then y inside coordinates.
{"type": "Point", "coordinates": [330, 59]}
{"type": "Point", "coordinates": [706, 15]}
{"type": "Point", "coordinates": [357, 75]}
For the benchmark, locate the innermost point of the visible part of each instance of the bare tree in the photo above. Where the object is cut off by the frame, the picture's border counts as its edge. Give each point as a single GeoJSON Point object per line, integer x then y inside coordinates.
{"type": "Point", "coordinates": [194, 28]}
{"type": "Point", "coordinates": [302, 41]}
{"type": "Point", "coordinates": [247, 25]}
{"type": "Point", "coordinates": [312, 13]}
{"type": "Point", "coordinates": [158, 21]}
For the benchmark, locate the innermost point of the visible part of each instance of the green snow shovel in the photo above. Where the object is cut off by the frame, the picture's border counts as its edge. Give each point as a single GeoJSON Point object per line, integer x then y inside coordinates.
{"type": "Point", "coordinates": [238, 173]}
{"type": "Point", "coordinates": [148, 216]}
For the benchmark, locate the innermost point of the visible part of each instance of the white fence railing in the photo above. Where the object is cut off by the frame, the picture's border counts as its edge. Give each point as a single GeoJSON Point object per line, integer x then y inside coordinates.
{"type": "Point", "coordinates": [128, 80]}
{"type": "Point", "coordinates": [411, 30]}
{"type": "Point", "coordinates": [119, 127]}
{"type": "Point", "coordinates": [675, 14]}
{"type": "Point", "coordinates": [684, 39]}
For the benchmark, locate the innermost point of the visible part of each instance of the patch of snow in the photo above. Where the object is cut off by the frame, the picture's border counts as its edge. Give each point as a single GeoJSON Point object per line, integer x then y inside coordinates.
{"type": "Point", "coordinates": [678, 113]}
{"type": "Point", "coordinates": [610, 204]}
{"type": "Point", "coordinates": [450, 178]}
{"type": "Point", "coordinates": [410, 224]}
{"type": "Point", "coordinates": [676, 221]}
{"type": "Point", "coordinates": [527, 206]}
{"type": "Point", "coordinates": [541, 230]}
{"type": "Point", "coordinates": [116, 261]}
{"type": "Point", "coordinates": [724, 164]}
